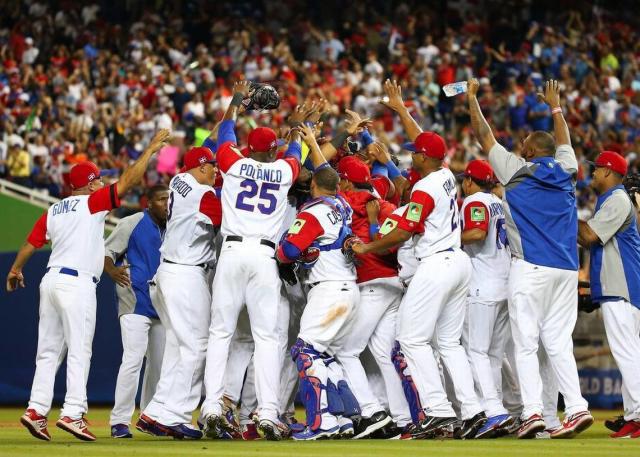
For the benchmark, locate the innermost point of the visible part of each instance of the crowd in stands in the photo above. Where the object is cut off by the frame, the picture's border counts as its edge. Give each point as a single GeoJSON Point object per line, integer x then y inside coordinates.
{"type": "Point", "coordinates": [93, 80]}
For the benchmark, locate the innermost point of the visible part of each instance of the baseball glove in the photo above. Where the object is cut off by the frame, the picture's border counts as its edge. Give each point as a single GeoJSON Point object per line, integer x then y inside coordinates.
{"type": "Point", "coordinates": [262, 97]}
{"type": "Point", "coordinates": [347, 248]}
{"type": "Point", "coordinates": [309, 257]}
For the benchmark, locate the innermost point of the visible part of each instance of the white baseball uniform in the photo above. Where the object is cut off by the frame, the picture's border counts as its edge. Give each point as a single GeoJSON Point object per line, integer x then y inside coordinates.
{"type": "Point", "coordinates": [432, 308]}
{"type": "Point", "coordinates": [486, 327]}
{"type": "Point", "coordinates": [136, 242]}
{"type": "Point", "coordinates": [75, 227]}
{"type": "Point", "coordinates": [181, 296]}
{"type": "Point", "coordinates": [254, 202]}
{"type": "Point", "coordinates": [333, 296]}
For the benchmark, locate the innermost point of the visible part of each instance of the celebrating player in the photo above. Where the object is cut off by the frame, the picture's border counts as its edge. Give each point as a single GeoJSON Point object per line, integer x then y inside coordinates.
{"type": "Point", "coordinates": [180, 293]}
{"type": "Point", "coordinates": [75, 227]}
{"type": "Point", "coordinates": [541, 220]}
{"type": "Point", "coordinates": [254, 202]}
{"type": "Point", "coordinates": [317, 238]}
{"type": "Point", "coordinates": [486, 326]}
{"type": "Point", "coordinates": [432, 308]}
{"type": "Point", "coordinates": [612, 235]}
{"type": "Point", "coordinates": [134, 245]}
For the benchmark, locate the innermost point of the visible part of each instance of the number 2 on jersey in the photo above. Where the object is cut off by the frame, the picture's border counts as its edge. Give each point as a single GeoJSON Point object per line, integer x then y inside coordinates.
{"type": "Point", "coordinates": [170, 205]}
{"type": "Point", "coordinates": [454, 214]}
{"type": "Point", "coordinates": [267, 201]}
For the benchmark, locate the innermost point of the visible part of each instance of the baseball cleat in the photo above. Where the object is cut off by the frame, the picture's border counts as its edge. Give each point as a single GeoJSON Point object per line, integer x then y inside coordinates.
{"type": "Point", "coordinates": [319, 434]}
{"type": "Point", "coordinates": [572, 425]}
{"type": "Point", "coordinates": [432, 426]}
{"type": "Point", "coordinates": [149, 426]}
{"type": "Point", "coordinates": [546, 434]}
{"type": "Point", "coordinates": [182, 431]}
{"type": "Point", "coordinates": [293, 425]}
{"type": "Point", "coordinates": [615, 425]}
{"type": "Point", "coordinates": [494, 425]}
{"type": "Point", "coordinates": [120, 431]}
{"type": "Point", "coordinates": [77, 427]}
{"type": "Point", "coordinates": [270, 430]}
{"type": "Point", "coordinates": [346, 430]}
{"type": "Point", "coordinates": [250, 432]}
{"type": "Point", "coordinates": [470, 427]}
{"type": "Point", "coordinates": [36, 424]}
{"type": "Point", "coordinates": [530, 427]}
{"type": "Point", "coordinates": [367, 425]}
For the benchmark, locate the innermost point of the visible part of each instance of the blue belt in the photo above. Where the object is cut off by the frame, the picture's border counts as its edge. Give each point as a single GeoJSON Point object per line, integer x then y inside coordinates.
{"type": "Point", "coordinates": [72, 272]}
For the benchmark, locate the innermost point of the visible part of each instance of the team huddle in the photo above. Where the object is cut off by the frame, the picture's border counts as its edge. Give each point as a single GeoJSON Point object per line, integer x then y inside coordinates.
{"type": "Point", "coordinates": [288, 266]}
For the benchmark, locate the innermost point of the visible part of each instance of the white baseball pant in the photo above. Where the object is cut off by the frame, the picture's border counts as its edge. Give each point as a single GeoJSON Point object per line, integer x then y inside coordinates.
{"type": "Point", "coordinates": [543, 309]}
{"type": "Point", "coordinates": [246, 274]}
{"type": "Point", "coordinates": [374, 325]}
{"type": "Point", "coordinates": [289, 379]}
{"type": "Point", "coordinates": [484, 337]}
{"type": "Point", "coordinates": [67, 322]}
{"type": "Point", "coordinates": [622, 325]}
{"type": "Point", "coordinates": [142, 337]}
{"type": "Point", "coordinates": [181, 298]}
{"type": "Point", "coordinates": [511, 398]}
{"type": "Point", "coordinates": [433, 310]}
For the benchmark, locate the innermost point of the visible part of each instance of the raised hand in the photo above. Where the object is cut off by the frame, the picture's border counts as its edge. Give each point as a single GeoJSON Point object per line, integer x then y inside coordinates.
{"type": "Point", "coordinates": [159, 140]}
{"type": "Point", "coordinates": [242, 87]}
{"type": "Point", "coordinates": [379, 152]}
{"type": "Point", "coordinates": [355, 123]}
{"type": "Point", "coordinates": [551, 94]}
{"type": "Point", "coordinates": [308, 135]}
{"type": "Point", "coordinates": [472, 87]}
{"type": "Point", "coordinates": [394, 96]}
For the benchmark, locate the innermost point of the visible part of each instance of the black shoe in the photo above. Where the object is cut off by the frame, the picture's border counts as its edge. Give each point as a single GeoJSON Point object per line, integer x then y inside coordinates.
{"type": "Point", "coordinates": [615, 425]}
{"type": "Point", "coordinates": [367, 425]}
{"type": "Point", "coordinates": [432, 426]}
{"type": "Point", "coordinates": [389, 432]}
{"type": "Point", "coordinates": [470, 427]}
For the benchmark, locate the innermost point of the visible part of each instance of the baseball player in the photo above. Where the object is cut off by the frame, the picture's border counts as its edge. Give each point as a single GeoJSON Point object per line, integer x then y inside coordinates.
{"type": "Point", "coordinates": [254, 202]}
{"type": "Point", "coordinates": [318, 236]}
{"type": "Point", "coordinates": [612, 235]}
{"type": "Point", "coordinates": [486, 326]}
{"type": "Point", "coordinates": [380, 293]}
{"type": "Point", "coordinates": [181, 294]}
{"type": "Point", "coordinates": [132, 258]}
{"type": "Point", "coordinates": [75, 228]}
{"type": "Point", "coordinates": [541, 220]}
{"type": "Point", "coordinates": [432, 309]}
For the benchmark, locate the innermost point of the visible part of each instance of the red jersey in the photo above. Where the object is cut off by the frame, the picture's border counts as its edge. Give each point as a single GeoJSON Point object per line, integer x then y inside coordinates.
{"type": "Point", "coordinates": [370, 266]}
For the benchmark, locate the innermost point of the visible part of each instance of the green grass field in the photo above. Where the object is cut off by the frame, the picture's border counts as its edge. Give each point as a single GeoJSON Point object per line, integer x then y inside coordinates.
{"type": "Point", "coordinates": [16, 441]}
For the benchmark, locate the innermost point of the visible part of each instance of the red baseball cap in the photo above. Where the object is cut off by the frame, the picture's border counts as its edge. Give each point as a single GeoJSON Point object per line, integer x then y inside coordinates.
{"type": "Point", "coordinates": [428, 143]}
{"type": "Point", "coordinates": [262, 139]}
{"type": "Point", "coordinates": [354, 170]}
{"type": "Point", "coordinates": [479, 170]}
{"type": "Point", "coordinates": [83, 173]}
{"type": "Point", "coordinates": [613, 161]}
{"type": "Point", "coordinates": [196, 156]}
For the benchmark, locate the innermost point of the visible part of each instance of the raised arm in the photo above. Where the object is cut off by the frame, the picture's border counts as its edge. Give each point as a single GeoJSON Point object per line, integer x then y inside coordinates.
{"type": "Point", "coordinates": [478, 122]}
{"type": "Point", "coordinates": [394, 102]}
{"type": "Point", "coordinates": [317, 157]}
{"type": "Point", "coordinates": [226, 130]}
{"type": "Point", "coordinates": [552, 98]}
{"type": "Point", "coordinates": [354, 124]}
{"type": "Point", "coordinates": [134, 173]}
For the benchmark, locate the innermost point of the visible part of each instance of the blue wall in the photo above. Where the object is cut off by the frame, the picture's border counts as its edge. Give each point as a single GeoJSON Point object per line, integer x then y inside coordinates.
{"type": "Point", "coordinates": [19, 338]}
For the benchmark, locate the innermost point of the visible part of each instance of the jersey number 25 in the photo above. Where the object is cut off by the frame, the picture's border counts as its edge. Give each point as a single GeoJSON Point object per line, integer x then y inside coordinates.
{"type": "Point", "coordinates": [266, 200]}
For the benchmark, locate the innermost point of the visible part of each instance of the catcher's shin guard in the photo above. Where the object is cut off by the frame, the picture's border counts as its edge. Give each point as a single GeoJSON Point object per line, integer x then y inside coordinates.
{"type": "Point", "coordinates": [308, 361]}
{"type": "Point", "coordinates": [409, 388]}
{"type": "Point", "coordinates": [349, 404]}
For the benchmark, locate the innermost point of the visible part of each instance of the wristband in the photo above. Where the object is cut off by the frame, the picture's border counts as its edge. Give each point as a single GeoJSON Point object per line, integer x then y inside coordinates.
{"type": "Point", "coordinates": [236, 100]}
{"type": "Point", "coordinates": [373, 230]}
{"type": "Point", "coordinates": [322, 166]}
{"type": "Point", "coordinates": [393, 170]}
{"type": "Point", "coordinates": [339, 139]}
{"type": "Point", "coordinates": [556, 110]}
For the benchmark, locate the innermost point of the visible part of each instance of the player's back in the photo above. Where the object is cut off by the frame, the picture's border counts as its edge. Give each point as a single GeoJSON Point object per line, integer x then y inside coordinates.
{"type": "Point", "coordinates": [334, 220]}
{"type": "Point", "coordinates": [254, 198]}
{"type": "Point", "coordinates": [75, 226]}
{"type": "Point", "coordinates": [490, 258]}
{"type": "Point", "coordinates": [441, 227]}
{"type": "Point", "coordinates": [188, 238]}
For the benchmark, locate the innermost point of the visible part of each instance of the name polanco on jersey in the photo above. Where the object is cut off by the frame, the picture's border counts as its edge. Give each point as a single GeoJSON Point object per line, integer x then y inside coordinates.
{"type": "Point", "coordinates": [259, 173]}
